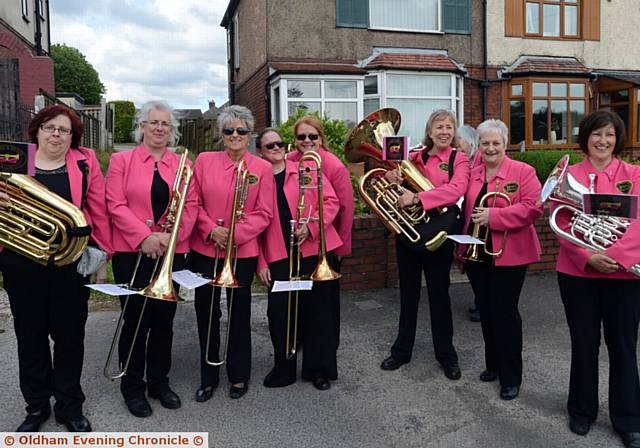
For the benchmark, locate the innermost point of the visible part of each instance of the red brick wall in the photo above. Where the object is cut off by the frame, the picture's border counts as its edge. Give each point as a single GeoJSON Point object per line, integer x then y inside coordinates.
{"type": "Point", "coordinates": [473, 96]}
{"type": "Point", "coordinates": [252, 94]}
{"type": "Point", "coordinates": [36, 72]}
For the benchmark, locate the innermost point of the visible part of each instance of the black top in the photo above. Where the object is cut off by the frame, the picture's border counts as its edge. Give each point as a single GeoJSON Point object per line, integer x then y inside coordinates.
{"type": "Point", "coordinates": [283, 208]}
{"type": "Point", "coordinates": [56, 180]}
{"type": "Point", "coordinates": [483, 229]}
{"type": "Point", "coordinates": [159, 195]}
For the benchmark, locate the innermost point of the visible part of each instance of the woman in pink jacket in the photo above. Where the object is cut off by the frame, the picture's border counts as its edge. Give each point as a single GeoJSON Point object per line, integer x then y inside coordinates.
{"type": "Point", "coordinates": [214, 180]}
{"type": "Point", "coordinates": [139, 191]}
{"type": "Point", "coordinates": [51, 301]}
{"type": "Point", "coordinates": [508, 226]}
{"type": "Point", "coordinates": [319, 363]}
{"type": "Point", "coordinates": [597, 291]}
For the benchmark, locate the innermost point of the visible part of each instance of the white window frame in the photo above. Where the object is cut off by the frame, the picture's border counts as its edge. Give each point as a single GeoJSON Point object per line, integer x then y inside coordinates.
{"type": "Point", "coordinates": [236, 42]}
{"type": "Point", "coordinates": [409, 30]}
{"type": "Point", "coordinates": [25, 9]}
{"type": "Point", "coordinates": [282, 82]}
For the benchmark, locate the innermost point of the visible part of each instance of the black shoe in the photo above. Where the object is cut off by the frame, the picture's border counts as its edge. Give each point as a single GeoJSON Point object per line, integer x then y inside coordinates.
{"type": "Point", "coordinates": [204, 393]}
{"type": "Point", "coordinates": [139, 406]}
{"type": "Point", "coordinates": [488, 375]}
{"type": "Point", "coordinates": [168, 398]}
{"type": "Point", "coordinates": [392, 363]}
{"type": "Point", "coordinates": [509, 392]}
{"type": "Point", "coordinates": [34, 420]}
{"type": "Point", "coordinates": [75, 424]}
{"type": "Point", "coordinates": [271, 380]}
{"type": "Point", "coordinates": [237, 392]}
{"type": "Point", "coordinates": [579, 427]}
{"type": "Point", "coordinates": [321, 383]}
{"type": "Point", "coordinates": [474, 314]}
{"type": "Point", "coordinates": [452, 371]}
{"type": "Point", "coordinates": [631, 439]}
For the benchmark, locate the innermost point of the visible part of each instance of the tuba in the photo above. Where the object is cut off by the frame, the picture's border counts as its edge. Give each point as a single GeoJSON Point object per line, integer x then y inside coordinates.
{"type": "Point", "coordinates": [591, 232]}
{"type": "Point", "coordinates": [39, 224]}
{"type": "Point", "coordinates": [418, 228]}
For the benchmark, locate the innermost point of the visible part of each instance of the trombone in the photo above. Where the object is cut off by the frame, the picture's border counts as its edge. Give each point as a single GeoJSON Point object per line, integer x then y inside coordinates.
{"type": "Point", "coordinates": [323, 271]}
{"type": "Point", "coordinates": [227, 278]}
{"type": "Point", "coordinates": [161, 285]}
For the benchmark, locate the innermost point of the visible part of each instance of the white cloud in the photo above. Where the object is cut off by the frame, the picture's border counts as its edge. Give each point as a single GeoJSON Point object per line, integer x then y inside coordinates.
{"type": "Point", "coordinates": [150, 49]}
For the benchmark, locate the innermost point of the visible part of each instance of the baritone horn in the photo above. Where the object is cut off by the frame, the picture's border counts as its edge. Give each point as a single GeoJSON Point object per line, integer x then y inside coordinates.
{"type": "Point", "coordinates": [161, 285]}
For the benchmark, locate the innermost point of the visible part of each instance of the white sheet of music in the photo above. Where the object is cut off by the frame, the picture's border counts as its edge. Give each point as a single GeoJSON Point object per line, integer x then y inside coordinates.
{"type": "Point", "coordinates": [293, 285]}
{"type": "Point", "coordinates": [465, 239]}
{"type": "Point", "coordinates": [188, 279]}
{"type": "Point", "coordinates": [112, 290]}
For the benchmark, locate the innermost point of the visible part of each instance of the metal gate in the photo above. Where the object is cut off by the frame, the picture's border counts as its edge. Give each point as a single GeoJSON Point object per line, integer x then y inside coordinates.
{"type": "Point", "coordinates": [14, 116]}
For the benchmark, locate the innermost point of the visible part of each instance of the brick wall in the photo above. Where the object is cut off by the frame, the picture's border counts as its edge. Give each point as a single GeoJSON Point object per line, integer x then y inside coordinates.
{"type": "Point", "coordinates": [473, 96]}
{"type": "Point", "coordinates": [252, 94]}
{"type": "Point", "coordinates": [373, 261]}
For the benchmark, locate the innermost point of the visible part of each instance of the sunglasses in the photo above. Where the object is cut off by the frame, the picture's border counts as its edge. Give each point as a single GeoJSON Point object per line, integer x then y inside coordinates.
{"type": "Point", "coordinates": [274, 145]}
{"type": "Point", "coordinates": [240, 131]}
{"type": "Point", "coordinates": [303, 137]}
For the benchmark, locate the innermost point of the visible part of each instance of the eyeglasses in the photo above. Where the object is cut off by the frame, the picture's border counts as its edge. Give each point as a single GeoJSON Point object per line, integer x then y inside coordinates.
{"type": "Point", "coordinates": [303, 137]}
{"type": "Point", "coordinates": [240, 131]}
{"type": "Point", "coordinates": [273, 146]}
{"type": "Point", "coordinates": [50, 129]}
{"type": "Point", "coordinates": [156, 123]}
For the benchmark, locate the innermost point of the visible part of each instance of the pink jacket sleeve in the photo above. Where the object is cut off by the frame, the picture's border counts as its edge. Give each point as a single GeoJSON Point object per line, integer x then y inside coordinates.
{"type": "Point", "coordinates": [257, 219]}
{"type": "Point", "coordinates": [124, 220]}
{"type": "Point", "coordinates": [341, 184]}
{"type": "Point", "coordinates": [262, 260]}
{"type": "Point", "coordinates": [449, 193]}
{"type": "Point", "coordinates": [203, 222]}
{"type": "Point", "coordinates": [523, 213]}
{"type": "Point", "coordinates": [331, 205]}
{"type": "Point", "coordinates": [96, 206]}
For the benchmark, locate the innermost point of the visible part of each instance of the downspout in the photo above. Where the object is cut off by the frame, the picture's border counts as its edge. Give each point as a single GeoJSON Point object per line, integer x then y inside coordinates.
{"type": "Point", "coordinates": [38, 36]}
{"type": "Point", "coordinates": [485, 66]}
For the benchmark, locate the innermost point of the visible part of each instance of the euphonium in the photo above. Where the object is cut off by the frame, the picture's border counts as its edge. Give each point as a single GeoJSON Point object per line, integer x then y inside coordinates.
{"type": "Point", "coordinates": [472, 253]}
{"type": "Point", "coordinates": [39, 224]}
{"type": "Point", "coordinates": [591, 232]}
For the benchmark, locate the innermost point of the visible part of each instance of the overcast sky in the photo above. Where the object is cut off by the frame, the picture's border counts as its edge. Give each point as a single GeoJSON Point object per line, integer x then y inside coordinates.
{"type": "Point", "coordinates": [149, 49]}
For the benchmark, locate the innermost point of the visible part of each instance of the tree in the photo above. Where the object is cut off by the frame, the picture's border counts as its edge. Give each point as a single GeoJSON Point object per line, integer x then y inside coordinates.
{"type": "Point", "coordinates": [123, 126]}
{"type": "Point", "coordinates": [73, 73]}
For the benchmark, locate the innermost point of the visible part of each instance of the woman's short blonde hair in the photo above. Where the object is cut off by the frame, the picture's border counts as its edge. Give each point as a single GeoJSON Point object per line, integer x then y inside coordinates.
{"type": "Point", "coordinates": [437, 115]}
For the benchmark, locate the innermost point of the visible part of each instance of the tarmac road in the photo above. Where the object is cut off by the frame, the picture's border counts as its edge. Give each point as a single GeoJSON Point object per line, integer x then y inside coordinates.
{"type": "Point", "coordinates": [415, 406]}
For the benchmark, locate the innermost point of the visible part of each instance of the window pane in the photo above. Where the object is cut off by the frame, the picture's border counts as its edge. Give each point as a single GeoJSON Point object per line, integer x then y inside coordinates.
{"type": "Point", "coordinates": [371, 105]}
{"type": "Point", "coordinates": [620, 95]}
{"type": "Point", "coordinates": [576, 90]}
{"type": "Point", "coordinates": [414, 115]}
{"type": "Point", "coordinates": [623, 111]}
{"type": "Point", "coordinates": [533, 18]}
{"type": "Point", "coordinates": [540, 89]}
{"type": "Point", "coordinates": [340, 89]}
{"type": "Point", "coordinates": [419, 15]}
{"type": "Point", "coordinates": [303, 89]}
{"type": "Point", "coordinates": [638, 128]}
{"type": "Point", "coordinates": [276, 102]}
{"type": "Point", "coordinates": [571, 20]}
{"type": "Point", "coordinates": [417, 85]}
{"type": "Point", "coordinates": [559, 122]}
{"type": "Point", "coordinates": [558, 89]}
{"type": "Point", "coordinates": [605, 98]}
{"type": "Point", "coordinates": [517, 122]}
{"type": "Point", "coordinates": [551, 20]}
{"type": "Point", "coordinates": [346, 112]}
{"type": "Point", "coordinates": [571, 1]}
{"type": "Point", "coordinates": [307, 107]}
{"type": "Point", "coordinates": [540, 122]}
{"type": "Point", "coordinates": [370, 85]}
{"type": "Point", "coordinates": [577, 109]}
{"type": "Point", "coordinates": [516, 90]}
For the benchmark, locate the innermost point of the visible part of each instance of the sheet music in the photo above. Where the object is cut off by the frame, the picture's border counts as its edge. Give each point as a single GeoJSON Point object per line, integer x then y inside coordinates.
{"type": "Point", "coordinates": [112, 290]}
{"type": "Point", "coordinates": [188, 279]}
{"type": "Point", "coordinates": [293, 285]}
{"type": "Point", "coordinates": [465, 239]}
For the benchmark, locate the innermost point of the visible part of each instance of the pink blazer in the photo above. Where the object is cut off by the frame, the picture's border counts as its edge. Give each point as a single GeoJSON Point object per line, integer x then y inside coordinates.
{"type": "Point", "coordinates": [214, 182]}
{"type": "Point", "coordinates": [129, 180]}
{"type": "Point", "coordinates": [340, 179]}
{"type": "Point", "coordinates": [618, 177]}
{"type": "Point", "coordinates": [272, 245]}
{"type": "Point", "coordinates": [518, 180]}
{"type": "Point", "coordinates": [437, 171]}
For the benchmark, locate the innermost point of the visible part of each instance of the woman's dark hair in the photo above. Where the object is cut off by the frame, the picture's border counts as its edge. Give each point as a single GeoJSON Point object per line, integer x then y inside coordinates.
{"type": "Point", "coordinates": [262, 134]}
{"type": "Point", "coordinates": [599, 119]}
{"type": "Point", "coordinates": [51, 112]}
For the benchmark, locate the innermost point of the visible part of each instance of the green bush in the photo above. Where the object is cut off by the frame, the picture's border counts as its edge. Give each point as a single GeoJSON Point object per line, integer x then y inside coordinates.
{"type": "Point", "coordinates": [544, 160]}
{"type": "Point", "coordinates": [103, 157]}
{"type": "Point", "coordinates": [123, 125]}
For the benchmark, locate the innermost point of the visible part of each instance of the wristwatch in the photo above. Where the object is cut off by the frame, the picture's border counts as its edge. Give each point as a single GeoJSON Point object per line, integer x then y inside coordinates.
{"type": "Point", "coordinates": [416, 199]}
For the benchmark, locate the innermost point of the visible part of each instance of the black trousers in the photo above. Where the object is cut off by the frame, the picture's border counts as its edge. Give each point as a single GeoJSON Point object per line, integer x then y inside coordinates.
{"type": "Point", "coordinates": [317, 325]}
{"type": "Point", "coordinates": [239, 346]}
{"type": "Point", "coordinates": [48, 302]}
{"type": "Point", "coordinates": [152, 346]}
{"type": "Point", "coordinates": [590, 303]}
{"type": "Point", "coordinates": [498, 291]}
{"type": "Point", "coordinates": [436, 267]}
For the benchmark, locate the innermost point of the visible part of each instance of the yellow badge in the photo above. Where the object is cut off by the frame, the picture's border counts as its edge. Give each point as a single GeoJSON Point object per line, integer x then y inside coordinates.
{"type": "Point", "coordinates": [306, 180]}
{"type": "Point", "coordinates": [253, 179]}
{"type": "Point", "coordinates": [511, 187]}
{"type": "Point", "coordinates": [444, 167]}
{"type": "Point", "coordinates": [624, 186]}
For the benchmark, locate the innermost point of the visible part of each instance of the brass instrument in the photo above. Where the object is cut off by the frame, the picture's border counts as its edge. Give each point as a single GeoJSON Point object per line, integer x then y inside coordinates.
{"type": "Point", "coordinates": [161, 285]}
{"type": "Point", "coordinates": [323, 271]}
{"type": "Point", "coordinates": [591, 232]}
{"type": "Point", "coordinates": [364, 144]}
{"type": "Point", "coordinates": [472, 253]}
{"type": "Point", "coordinates": [227, 278]}
{"type": "Point", "coordinates": [39, 224]}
